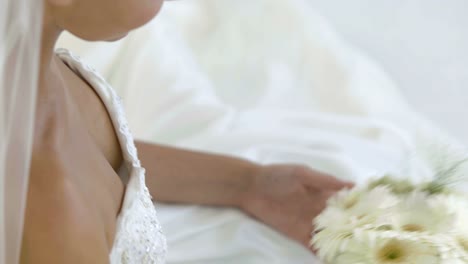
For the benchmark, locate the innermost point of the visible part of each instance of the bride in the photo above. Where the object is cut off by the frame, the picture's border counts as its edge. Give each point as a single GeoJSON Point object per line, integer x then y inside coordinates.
{"type": "Point", "coordinates": [65, 137]}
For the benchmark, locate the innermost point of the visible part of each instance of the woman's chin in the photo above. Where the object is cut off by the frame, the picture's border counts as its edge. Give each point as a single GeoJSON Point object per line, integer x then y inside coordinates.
{"type": "Point", "coordinates": [116, 38]}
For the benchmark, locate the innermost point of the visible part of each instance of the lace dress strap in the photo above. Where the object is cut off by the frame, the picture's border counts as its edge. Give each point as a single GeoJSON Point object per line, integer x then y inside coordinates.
{"type": "Point", "coordinates": [139, 238]}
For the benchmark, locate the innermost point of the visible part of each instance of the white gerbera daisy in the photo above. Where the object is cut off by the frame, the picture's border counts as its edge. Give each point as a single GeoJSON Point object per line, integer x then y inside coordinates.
{"type": "Point", "coordinates": [456, 205]}
{"type": "Point", "coordinates": [417, 214]}
{"type": "Point", "coordinates": [333, 218]}
{"type": "Point", "coordinates": [358, 201]}
{"type": "Point", "coordinates": [379, 198]}
{"type": "Point", "coordinates": [397, 186]}
{"type": "Point", "coordinates": [334, 230]}
{"type": "Point", "coordinates": [378, 250]}
{"type": "Point", "coordinates": [461, 231]}
{"type": "Point", "coordinates": [365, 207]}
{"type": "Point", "coordinates": [346, 198]}
{"type": "Point", "coordinates": [330, 243]}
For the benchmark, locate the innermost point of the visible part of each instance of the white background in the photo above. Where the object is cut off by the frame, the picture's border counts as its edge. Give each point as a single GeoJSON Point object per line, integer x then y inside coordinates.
{"type": "Point", "coordinates": [422, 44]}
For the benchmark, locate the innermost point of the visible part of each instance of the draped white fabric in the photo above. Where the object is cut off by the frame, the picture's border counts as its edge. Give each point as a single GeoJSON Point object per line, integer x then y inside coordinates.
{"type": "Point", "coordinates": [267, 80]}
{"type": "Point", "coordinates": [20, 30]}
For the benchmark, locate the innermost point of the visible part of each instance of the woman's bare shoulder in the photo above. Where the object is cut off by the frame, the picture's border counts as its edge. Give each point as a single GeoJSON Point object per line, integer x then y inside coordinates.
{"type": "Point", "coordinates": [59, 226]}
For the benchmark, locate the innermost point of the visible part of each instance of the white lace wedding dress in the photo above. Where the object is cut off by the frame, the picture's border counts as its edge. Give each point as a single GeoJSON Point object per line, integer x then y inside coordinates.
{"type": "Point", "coordinates": [139, 239]}
{"type": "Point", "coordinates": [266, 80]}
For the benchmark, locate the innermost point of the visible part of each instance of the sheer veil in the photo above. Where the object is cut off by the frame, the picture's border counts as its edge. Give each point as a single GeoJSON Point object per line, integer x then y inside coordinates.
{"type": "Point", "coordinates": [20, 32]}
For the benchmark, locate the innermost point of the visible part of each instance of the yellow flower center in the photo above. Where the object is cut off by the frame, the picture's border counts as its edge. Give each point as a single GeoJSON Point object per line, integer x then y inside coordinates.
{"type": "Point", "coordinates": [392, 252]}
{"type": "Point", "coordinates": [463, 242]}
{"type": "Point", "coordinates": [350, 202]}
{"type": "Point", "coordinates": [413, 228]}
{"type": "Point", "coordinates": [385, 228]}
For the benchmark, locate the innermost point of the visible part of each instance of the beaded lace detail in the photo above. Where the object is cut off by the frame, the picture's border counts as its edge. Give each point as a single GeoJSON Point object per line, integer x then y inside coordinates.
{"type": "Point", "coordinates": [139, 238]}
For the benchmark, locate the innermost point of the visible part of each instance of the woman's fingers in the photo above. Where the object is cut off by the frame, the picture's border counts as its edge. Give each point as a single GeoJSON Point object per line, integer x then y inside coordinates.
{"type": "Point", "coordinates": [320, 180]}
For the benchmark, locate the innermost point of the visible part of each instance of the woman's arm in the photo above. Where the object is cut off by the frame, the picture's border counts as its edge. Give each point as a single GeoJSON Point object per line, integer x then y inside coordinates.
{"type": "Point", "coordinates": [181, 176]}
{"type": "Point", "coordinates": [286, 197]}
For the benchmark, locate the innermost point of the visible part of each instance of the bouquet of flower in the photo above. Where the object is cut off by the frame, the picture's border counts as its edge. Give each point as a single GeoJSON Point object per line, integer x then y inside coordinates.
{"type": "Point", "coordinates": [394, 221]}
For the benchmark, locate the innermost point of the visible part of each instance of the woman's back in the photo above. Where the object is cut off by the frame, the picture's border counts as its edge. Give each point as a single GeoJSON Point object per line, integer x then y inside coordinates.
{"type": "Point", "coordinates": [75, 196]}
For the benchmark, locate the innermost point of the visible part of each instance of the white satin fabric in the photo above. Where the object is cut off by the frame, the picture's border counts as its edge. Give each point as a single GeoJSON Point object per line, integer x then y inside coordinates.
{"type": "Point", "coordinates": [269, 81]}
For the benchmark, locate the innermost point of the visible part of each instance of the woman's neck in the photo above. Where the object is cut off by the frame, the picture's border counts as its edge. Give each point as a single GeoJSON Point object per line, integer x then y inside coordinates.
{"type": "Point", "coordinates": [48, 63]}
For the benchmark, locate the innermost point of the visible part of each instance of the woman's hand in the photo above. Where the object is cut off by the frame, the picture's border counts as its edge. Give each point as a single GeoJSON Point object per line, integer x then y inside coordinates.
{"type": "Point", "coordinates": [289, 197]}
{"type": "Point", "coordinates": [285, 197]}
